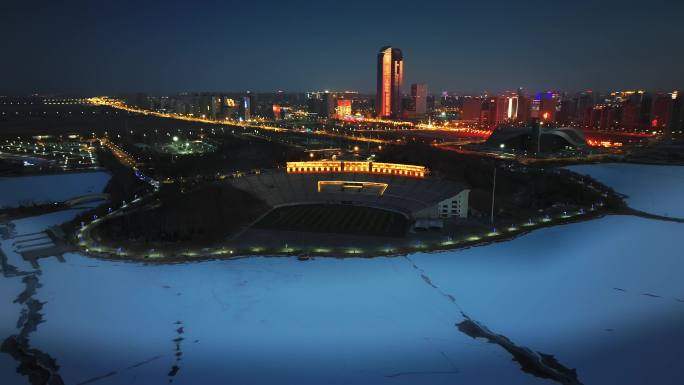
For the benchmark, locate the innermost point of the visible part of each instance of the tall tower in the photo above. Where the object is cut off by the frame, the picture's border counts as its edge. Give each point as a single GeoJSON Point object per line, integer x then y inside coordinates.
{"type": "Point", "coordinates": [390, 81]}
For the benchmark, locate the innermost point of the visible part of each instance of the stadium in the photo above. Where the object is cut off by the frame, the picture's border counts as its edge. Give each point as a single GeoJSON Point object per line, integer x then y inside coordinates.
{"type": "Point", "coordinates": [355, 197]}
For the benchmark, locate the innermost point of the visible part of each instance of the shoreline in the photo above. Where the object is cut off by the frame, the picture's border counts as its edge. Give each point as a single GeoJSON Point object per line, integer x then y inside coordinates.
{"type": "Point", "coordinates": [608, 202]}
{"type": "Point", "coordinates": [344, 253]}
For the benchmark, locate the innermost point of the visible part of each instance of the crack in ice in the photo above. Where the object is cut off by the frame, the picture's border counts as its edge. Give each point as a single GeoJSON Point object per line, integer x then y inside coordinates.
{"type": "Point", "coordinates": [536, 363]}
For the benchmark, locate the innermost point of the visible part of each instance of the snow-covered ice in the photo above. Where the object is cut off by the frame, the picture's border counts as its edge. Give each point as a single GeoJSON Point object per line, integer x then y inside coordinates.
{"type": "Point", "coordinates": [15, 191]}
{"type": "Point", "coordinates": [604, 296]}
{"type": "Point", "coordinates": [651, 188]}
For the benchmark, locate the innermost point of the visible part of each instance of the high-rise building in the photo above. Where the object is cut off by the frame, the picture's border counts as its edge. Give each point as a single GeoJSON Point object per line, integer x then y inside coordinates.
{"type": "Point", "coordinates": [608, 118]}
{"type": "Point", "coordinates": [496, 111]}
{"type": "Point", "coordinates": [246, 108]}
{"type": "Point", "coordinates": [565, 112]}
{"type": "Point", "coordinates": [584, 105]}
{"type": "Point", "coordinates": [419, 97]}
{"type": "Point", "coordinates": [524, 109]}
{"type": "Point", "coordinates": [592, 116]}
{"type": "Point", "coordinates": [416, 105]}
{"type": "Point", "coordinates": [629, 118]}
{"type": "Point", "coordinates": [472, 109]}
{"type": "Point", "coordinates": [512, 108]}
{"type": "Point", "coordinates": [390, 82]}
{"type": "Point", "coordinates": [547, 109]}
{"type": "Point", "coordinates": [661, 111]}
{"type": "Point", "coordinates": [677, 125]}
{"type": "Point", "coordinates": [322, 103]}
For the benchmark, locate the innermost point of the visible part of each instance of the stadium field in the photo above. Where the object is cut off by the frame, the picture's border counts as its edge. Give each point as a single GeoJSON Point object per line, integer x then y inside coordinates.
{"type": "Point", "coordinates": [340, 219]}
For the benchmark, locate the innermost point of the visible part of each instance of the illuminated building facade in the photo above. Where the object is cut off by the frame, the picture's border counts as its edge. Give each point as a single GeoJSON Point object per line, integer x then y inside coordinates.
{"type": "Point", "coordinates": [390, 82]}
{"type": "Point", "coordinates": [344, 108]}
{"type": "Point", "coordinates": [399, 188]}
{"type": "Point", "coordinates": [246, 108]}
{"type": "Point", "coordinates": [512, 108]}
{"type": "Point", "coordinates": [356, 166]}
{"type": "Point", "coordinates": [277, 112]}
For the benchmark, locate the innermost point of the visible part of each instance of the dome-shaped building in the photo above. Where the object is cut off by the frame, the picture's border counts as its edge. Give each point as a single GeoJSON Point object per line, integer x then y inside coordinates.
{"type": "Point", "coordinates": [536, 139]}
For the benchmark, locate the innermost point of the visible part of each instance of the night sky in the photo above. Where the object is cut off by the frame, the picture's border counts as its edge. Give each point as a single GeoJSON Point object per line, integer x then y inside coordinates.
{"type": "Point", "coordinates": [89, 47]}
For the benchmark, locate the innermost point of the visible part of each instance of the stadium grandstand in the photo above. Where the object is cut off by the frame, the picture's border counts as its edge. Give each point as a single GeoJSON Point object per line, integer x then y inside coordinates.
{"type": "Point", "coordinates": [404, 189]}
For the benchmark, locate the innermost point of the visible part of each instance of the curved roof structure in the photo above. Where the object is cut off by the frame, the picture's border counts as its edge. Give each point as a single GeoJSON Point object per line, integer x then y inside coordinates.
{"type": "Point", "coordinates": [525, 138]}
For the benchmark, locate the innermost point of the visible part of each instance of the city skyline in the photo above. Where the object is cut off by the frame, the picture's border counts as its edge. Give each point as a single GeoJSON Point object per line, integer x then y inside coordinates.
{"type": "Point", "coordinates": [171, 47]}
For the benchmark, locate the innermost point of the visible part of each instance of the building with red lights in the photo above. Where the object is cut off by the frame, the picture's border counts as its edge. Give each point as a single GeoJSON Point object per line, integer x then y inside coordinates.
{"type": "Point", "coordinates": [344, 108]}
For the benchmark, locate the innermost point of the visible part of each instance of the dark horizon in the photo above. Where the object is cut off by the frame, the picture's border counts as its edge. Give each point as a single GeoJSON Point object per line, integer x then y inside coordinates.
{"type": "Point", "coordinates": [172, 47]}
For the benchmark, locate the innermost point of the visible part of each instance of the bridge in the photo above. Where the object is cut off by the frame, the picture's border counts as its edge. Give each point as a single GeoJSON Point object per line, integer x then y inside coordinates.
{"type": "Point", "coordinates": [86, 198]}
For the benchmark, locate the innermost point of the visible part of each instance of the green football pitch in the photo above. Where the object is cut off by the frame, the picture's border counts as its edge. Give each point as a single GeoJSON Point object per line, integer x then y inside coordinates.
{"type": "Point", "coordinates": [341, 219]}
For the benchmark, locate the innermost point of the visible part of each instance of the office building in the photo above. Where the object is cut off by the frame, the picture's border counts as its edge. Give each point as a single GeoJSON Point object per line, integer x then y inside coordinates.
{"type": "Point", "coordinates": [390, 71]}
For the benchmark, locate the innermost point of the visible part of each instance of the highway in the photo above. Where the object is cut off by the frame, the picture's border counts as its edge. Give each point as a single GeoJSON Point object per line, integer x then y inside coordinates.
{"type": "Point", "coordinates": [113, 103]}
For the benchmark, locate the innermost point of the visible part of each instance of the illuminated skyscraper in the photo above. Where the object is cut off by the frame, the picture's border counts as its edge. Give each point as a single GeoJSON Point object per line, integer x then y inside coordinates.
{"type": "Point", "coordinates": [512, 108]}
{"type": "Point", "coordinates": [390, 81]}
{"type": "Point", "coordinates": [246, 108]}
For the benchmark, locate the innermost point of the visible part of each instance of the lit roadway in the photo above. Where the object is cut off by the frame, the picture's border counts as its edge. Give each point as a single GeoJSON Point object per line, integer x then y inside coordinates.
{"type": "Point", "coordinates": [101, 101]}
{"type": "Point", "coordinates": [400, 126]}
{"type": "Point", "coordinates": [120, 154]}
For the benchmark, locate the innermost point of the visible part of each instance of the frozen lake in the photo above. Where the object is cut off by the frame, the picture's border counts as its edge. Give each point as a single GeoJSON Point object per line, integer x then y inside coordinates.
{"type": "Point", "coordinates": [46, 188]}
{"type": "Point", "coordinates": [605, 297]}
{"type": "Point", "coordinates": [650, 188]}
